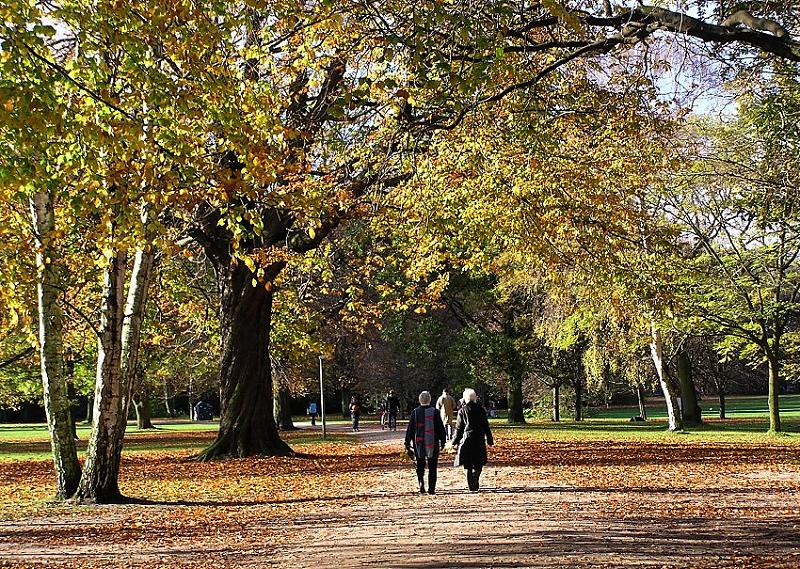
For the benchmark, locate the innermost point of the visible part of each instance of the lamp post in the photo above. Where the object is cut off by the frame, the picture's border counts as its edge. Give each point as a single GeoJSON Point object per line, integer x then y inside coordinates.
{"type": "Point", "coordinates": [322, 400]}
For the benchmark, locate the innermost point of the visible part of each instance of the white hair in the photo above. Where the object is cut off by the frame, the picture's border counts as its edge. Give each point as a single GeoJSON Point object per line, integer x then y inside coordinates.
{"type": "Point", "coordinates": [425, 398]}
{"type": "Point", "coordinates": [470, 395]}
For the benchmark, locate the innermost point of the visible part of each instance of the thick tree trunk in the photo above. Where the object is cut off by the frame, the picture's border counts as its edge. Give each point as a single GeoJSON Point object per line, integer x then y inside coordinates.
{"type": "Point", "coordinates": [516, 414]}
{"type": "Point", "coordinates": [56, 403]}
{"type": "Point", "coordinates": [556, 414]}
{"type": "Point", "coordinates": [774, 390]}
{"type": "Point", "coordinates": [640, 395]}
{"type": "Point", "coordinates": [670, 394]}
{"type": "Point", "coordinates": [118, 354]}
{"type": "Point", "coordinates": [247, 425]}
{"type": "Point", "coordinates": [99, 483]}
{"type": "Point", "coordinates": [692, 413]}
{"type": "Point", "coordinates": [578, 385]}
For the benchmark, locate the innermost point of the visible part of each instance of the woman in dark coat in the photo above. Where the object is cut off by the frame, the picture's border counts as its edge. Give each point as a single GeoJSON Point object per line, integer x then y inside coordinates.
{"type": "Point", "coordinates": [472, 434]}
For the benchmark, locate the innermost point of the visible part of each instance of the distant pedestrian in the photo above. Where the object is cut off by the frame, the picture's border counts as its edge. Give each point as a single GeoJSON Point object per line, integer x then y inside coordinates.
{"type": "Point", "coordinates": [355, 412]}
{"type": "Point", "coordinates": [472, 435]}
{"type": "Point", "coordinates": [392, 406]}
{"type": "Point", "coordinates": [312, 412]}
{"type": "Point", "coordinates": [447, 410]}
{"type": "Point", "coordinates": [426, 433]}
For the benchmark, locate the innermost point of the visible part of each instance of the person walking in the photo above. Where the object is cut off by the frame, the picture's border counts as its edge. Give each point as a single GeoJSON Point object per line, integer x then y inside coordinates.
{"type": "Point", "coordinates": [392, 406]}
{"type": "Point", "coordinates": [472, 435]}
{"type": "Point", "coordinates": [447, 409]}
{"type": "Point", "coordinates": [312, 412]}
{"type": "Point", "coordinates": [355, 412]}
{"type": "Point", "coordinates": [426, 433]}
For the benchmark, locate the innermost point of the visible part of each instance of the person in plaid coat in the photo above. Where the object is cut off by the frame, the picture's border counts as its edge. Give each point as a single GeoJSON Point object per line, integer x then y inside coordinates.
{"type": "Point", "coordinates": [425, 434]}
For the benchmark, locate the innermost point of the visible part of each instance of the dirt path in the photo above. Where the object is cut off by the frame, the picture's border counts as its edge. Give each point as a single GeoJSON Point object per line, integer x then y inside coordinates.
{"type": "Point", "coordinates": [558, 513]}
{"type": "Point", "coordinates": [520, 520]}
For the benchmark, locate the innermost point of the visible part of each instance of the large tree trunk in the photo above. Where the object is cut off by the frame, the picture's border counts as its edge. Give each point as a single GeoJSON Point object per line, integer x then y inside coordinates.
{"type": "Point", "coordinates": [774, 390]}
{"type": "Point", "coordinates": [640, 395]}
{"type": "Point", "coordinates": [118, 355]}
{"type": "Point", "coordinates": [670, 393]}
{"type": "Point", "coordinates": [692, 413]}
{"type": "Point", "coordinates": [99, 483]}
{"type": "Point", "coordinates": [56, 403]}
{"type": "Point", "coordinates": [516, 414]}
{"type": "Point", "coordinates": [556, 414]}
{"type": "Point", "coordinates": [247, 425]}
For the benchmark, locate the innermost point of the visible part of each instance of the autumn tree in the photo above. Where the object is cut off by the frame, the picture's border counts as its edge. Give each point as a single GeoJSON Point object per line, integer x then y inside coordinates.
{"type": "Point", "coordinates": [739, 212]}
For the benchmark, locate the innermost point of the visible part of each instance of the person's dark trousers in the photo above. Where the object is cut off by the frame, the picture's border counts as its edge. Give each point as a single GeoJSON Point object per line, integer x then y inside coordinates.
{"type": "Point", "coordinates": [473, 478]}
{"type": "Point", "coordinates": [355, 422]}
{"type": "Point", "coordinates": [432, 464]}
{"type": "Point", "coordinates": [393, 421]}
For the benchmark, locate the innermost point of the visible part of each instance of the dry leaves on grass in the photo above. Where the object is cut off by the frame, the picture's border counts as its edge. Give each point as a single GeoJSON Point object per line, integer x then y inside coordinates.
{"type": "Point", "coordinates": [243, 507]}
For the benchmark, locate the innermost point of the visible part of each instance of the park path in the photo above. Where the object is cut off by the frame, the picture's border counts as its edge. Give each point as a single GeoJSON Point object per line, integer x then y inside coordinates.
{"type": "Point", "coordinates": [519, 519]}
{"type": "Point", "coordinates": [562, 513]}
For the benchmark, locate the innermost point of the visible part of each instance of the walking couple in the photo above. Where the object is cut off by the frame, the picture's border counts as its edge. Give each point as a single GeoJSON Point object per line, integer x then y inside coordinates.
{"type": "Point", "coordinates": [426, 436]}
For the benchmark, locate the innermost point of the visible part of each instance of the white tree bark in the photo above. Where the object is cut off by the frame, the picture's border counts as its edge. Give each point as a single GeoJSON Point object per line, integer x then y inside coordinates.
{"type": "Point", "coordinates": [670, 393]}
{"type": "Point", "coordinates": [99, 482]}
{"type": "Point", "coordinates": [132, 325]}
{"type": "Point", "coordinates": [56, 402]}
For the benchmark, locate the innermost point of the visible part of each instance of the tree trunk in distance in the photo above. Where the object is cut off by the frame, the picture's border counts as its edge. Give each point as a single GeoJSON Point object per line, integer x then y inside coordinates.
{"type": "Point", "coordinates": [89, 409]}
{"type": "Point", "coordinates": [774, 390]}
{"type": "Point", "coordinates": [516, 414]}
{"type": "Point", "coordinates": [670, 395]}
{"type": "Point", "coordinates": [640, 395]}
{"type": "Point", "coordinates": [556, 416]}
{"type": "Point", "coordinates": [247, 425]}
{"type": "Point", "coordinates": [168, 404]}
{"type": "Point", "coordinates": [345, 401]}
{"type": "Point", "coordinates": [721, 403]}
{"type": "Point", "coordinates": [56, 403]}
{"type": "Point", "coordinates": [141, 403]}
{"type": "Point", "coordinates": [144, 414]}
{"type": "Point", "coordinates": [578, 385]}
{"type": "Point", "coordinates": [99, 483]}
{"type": "Point", "coordinates": [692, 413]}
{"type": "Point", "coordinates": [283, 406]}
{"type": "Point", "coordinates": [192, 414]}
